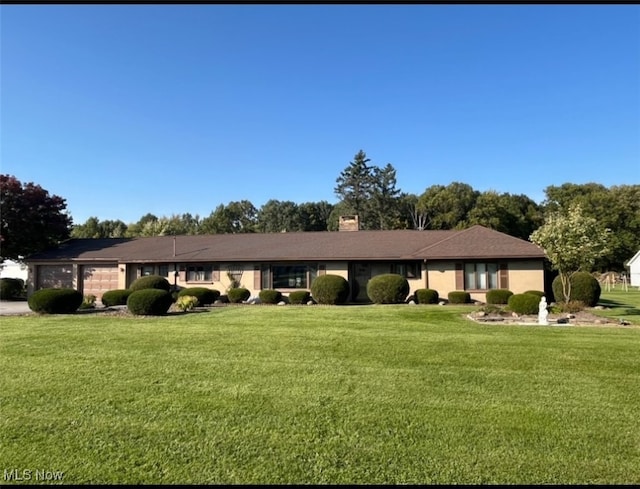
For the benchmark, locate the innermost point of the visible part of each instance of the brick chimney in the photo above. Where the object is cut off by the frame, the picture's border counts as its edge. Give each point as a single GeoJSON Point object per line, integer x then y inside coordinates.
{"type": "Point", "coordinates": [349, 223]}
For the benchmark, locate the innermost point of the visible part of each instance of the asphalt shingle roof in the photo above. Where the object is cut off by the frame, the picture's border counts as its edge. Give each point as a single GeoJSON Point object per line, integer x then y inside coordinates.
{"type": "Point", "coordinates": [474, 242]}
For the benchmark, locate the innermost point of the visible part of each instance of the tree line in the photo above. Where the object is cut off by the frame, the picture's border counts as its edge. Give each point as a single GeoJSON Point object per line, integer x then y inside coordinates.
{"type": "Point", "coordinates": [371, 192]}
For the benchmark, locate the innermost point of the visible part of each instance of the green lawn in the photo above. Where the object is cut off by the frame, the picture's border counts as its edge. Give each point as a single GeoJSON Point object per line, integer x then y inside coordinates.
{"type": "Point", "coordinates": [317, 395]}
{"type": "Point", "coordinates": [621, 304]}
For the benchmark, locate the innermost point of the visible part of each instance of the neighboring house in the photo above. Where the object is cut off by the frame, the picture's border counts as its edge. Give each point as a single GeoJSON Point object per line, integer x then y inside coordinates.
{"type": "Point", "coordinates": [475, 259]}
{"type": "Point", "coordinates": [14, 269]}
{"type": "Point", "coordinates": [634, 270]}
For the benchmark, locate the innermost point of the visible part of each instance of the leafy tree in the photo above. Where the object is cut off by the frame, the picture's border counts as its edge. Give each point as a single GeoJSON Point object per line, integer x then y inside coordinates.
{"type": "Point", "coordinates": [572, 241]}
{"type": "Point", "coordinates": [236, 217]}
{"type": "Point", "coordinates": [339, 209]}
{"type": "Point", "coordinates": [31, 219]}
{"type": "Point", "coordinates": [94, 228]}
{"type": "Point", "coordinates": [276, 216]}
{"type": "Point", "coordinates": [447, 207]}
{"type": "Point", "coordinates": [516, 215]}
{"type": "Point", "coordinates": [314, 216]}
{"type": "Point", "coordinates": [384, 200]}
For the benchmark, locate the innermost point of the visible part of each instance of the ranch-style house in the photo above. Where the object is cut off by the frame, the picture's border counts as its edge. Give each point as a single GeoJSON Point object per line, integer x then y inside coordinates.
{"type": "Point", "coordinates": [476, 260]}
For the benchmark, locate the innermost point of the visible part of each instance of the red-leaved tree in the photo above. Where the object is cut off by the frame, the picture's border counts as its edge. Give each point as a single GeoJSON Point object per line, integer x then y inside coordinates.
{"type": "Point", "coordinates": [31, 220]}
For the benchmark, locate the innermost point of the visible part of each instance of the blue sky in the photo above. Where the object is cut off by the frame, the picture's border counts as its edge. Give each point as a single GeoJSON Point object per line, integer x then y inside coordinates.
{"type": "Point", "coordinates": [129, 109]}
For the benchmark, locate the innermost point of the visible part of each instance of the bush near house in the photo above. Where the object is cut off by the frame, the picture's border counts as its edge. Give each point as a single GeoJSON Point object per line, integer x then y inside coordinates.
{"type": "Point", "coordinates": [238, 294]}
{"type": "Point", "coordinates": [584, 288]}
{"type": "Point", "coordinates": [299, 297]}
{"type": "Point", "coordinates": [151, 282]}
{"type": "Point", "coordinates": [149, 302]}
{"type": "Point", "coordinates": [459, 297]}
{"type": "Point", "coordinates": [117, 297]}
{"type": "Point", "coordinates": [524, 303]}
{"type": "Point", "coordinates": [388, 288]}
{"type": "Point", "coordinates": [204, 295]}
{"type": "Point", "coordinates": [270, 296]}
{"type": "Point", "coordinates": [11, 288]}
{"type": "Point", "coordinates": [427, 296]}
{"type": "Point", "coordinates": [539, 293]}
{"type": "Point", "coordinates": [55, 301]}
{"type": "Point", "coordinates": [185, 303]}
{"type": "Point", "coordinates": [330, 289]}
{"type": "Point", "coordinates": [498, 296]}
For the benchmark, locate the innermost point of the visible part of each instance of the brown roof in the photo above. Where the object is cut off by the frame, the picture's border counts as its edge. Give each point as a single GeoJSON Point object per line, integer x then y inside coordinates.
{"type": "Point", "coordinates": [474, 242]}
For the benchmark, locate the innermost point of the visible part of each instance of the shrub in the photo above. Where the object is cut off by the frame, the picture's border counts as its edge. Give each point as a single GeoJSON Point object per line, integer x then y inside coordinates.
{"type": "Point", "coordinates": [117, 297]}
{"type": "Point", "coordinates": [203, 294]}
{"type": "Point", "coordinates": [149, 302]}
{"type": "Point", "coordinates": [270, 296]}
{"type": "Point", "coordinates": [584, 288]}
{"type": "Point", "coordinates": [151, 282]}
{"type": "Point", "coordinates": [426, 296]}
{"type": "Point", "coordinates": [55, 301]}
{"type": "Point", "coordinates": [11, 288]}
{"type": "Point", "coordinates": [88, 302]}
{"type": "Point", "coordinates": [539, 293]}
{"type": "Point", "coordinates": [498, 296]}
{"type": "Point", "coordinates": [388, 288]}
{"type": "Point", "coordinates": [524, 303]}
{"type": "Point", "coordinates": [238, 294]}
{"type": "Point", "coordinates": [571, 306]}
{"type": "Point", "coordinates": [330, 289]}
{"type": "Point", "coordinates": [459, 297]}
{"type": "Point", "coordinates": [186, 302]}
{"type": "Point", "coordinates": [299, 297]}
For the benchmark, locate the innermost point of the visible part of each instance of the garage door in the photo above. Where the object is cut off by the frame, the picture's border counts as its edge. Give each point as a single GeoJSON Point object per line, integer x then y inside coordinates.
{"type": "Point", "coordinates": [55, 276]}
{"type": "Point", "coordinates": [97, 280]}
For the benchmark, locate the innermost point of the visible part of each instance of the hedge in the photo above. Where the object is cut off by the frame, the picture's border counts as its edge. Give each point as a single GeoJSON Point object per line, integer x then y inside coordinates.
{"type": "Point", "coordinates": [524, 303]}
{"type": "Point", "coordinates": [151, 282]}
{"type": "Point", "coordinates": [459, 297]}
{"type": "Point", "coordinates": [149, 302]}
{"type": "Point", "coordinates": [299, 297]}
{"type": "Point", "coordinates": [426, 296]}
{"type": "Point", "coordinates": [55, 301]}
{"type": "Point", "coordinates": [330, 289]}
{"type": "Point", "coordinates": [270, 296]}
{"type": "Point", "coordinates": [203, 294]}
{"type": "Point", "coordinates": [498, 296]}
{"type": "Point", "coordinates": [388, 288]}
{"type": "Point", "coordinates": [117, 297]}
{"type": "Point", "coordinates": [238, 294]}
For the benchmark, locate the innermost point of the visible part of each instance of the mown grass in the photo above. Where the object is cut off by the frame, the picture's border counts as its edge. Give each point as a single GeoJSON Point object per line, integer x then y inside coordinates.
{"type": "Point", "coordinates": [316, 395]}
{"type": "Point", "coordinates": [621, 304]}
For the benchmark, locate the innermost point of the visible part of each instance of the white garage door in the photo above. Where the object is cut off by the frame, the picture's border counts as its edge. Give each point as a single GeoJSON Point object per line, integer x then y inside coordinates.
{"type": "Point", "coordinates": [96, 280]}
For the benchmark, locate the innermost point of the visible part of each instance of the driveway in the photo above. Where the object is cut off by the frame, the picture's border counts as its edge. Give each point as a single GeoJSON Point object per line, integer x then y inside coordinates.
{"type": "Point", "coordinates": [8, 308]}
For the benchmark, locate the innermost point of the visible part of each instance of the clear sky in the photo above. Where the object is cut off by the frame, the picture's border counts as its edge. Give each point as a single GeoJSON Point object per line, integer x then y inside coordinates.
{"type": "Point", "coordinates": [129, 109]}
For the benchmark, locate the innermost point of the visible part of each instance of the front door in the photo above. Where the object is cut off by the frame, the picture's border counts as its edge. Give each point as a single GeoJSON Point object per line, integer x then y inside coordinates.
{"type": "Point", "coordinates": [361, 273]}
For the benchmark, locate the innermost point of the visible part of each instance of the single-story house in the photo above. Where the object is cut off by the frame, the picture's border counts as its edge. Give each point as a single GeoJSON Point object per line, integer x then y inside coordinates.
{"type": "Point", "coordinates": [475, 260]}
{"type": "Point", "coordinates": [633, 264]}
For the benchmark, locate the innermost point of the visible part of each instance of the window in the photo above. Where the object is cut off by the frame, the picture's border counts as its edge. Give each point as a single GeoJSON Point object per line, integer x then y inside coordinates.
{"type": "Point", "coordinates": [409, 270]}
{"type": "Point", "coordinates": [146, 270]}
{"type": "Point", "coordinates": [288, 276]}
{"type": "Point", "coordinates": [163, 270]}
{"type": "Point", "coordinates": [199, 273]}
{"type": "Point", "coordinates": [480, 276]}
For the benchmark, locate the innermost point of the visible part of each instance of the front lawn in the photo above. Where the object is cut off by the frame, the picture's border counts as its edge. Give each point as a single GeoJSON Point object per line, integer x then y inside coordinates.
{"type": "Point", "coordinates": [316, 395]}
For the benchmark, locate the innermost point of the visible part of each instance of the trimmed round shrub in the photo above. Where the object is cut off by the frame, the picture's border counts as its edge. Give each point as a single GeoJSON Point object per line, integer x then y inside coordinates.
{"type": "Point", "coordinates": [151, 282]}
{"type": "Point", "coordinates": [203, 294]}
{"type": "Point", "coordinates": [524, 303]}
{"type": "Point", "coordinates": [238, 294]}
{"type": "Point", "coordinates": [299, 297]}
{"type": "Point", "coordinates": [117, 297]}
{"type": "Point", "coordinates": [55, 301]}
{"type": "Point", "coordinates": [459, 297]}
{"type": "Point", "coordinates": [584, 288]}
{"type": "Point", "coordinates": [426, 296]}
{"type": "Point", "coordinates": [539, 293]}
{"type": "Point", "coordinates": [11, 288]}
{"type": "Point", "coordinates": [498, 296]}
{"type": "Point", "coordinates": [270, 296]}
{"type": "Point", "coordinates": [330, 289]}
{"type": "Point", "coordinates": [388, 288]}
{"type": "Point", "coordinates": [149, 302]}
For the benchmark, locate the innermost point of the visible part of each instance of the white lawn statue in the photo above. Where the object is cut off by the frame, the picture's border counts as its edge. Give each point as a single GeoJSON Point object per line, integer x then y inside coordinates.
{"type": "Point", "coordinates": [542, 311]}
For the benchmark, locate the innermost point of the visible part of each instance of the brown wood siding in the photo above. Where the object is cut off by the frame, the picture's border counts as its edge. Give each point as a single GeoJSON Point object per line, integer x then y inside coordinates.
{"type": "Point", "coordinates": [459, 276]}
{"type": "Point", "coordinates": [257, 278]}
{"type": "Point", "coordinates": [504, 276]}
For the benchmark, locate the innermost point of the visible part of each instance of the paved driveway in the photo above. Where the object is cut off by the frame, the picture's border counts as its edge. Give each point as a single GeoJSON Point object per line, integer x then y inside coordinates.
{"type": "Point", "coordinates": [8, 308]}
